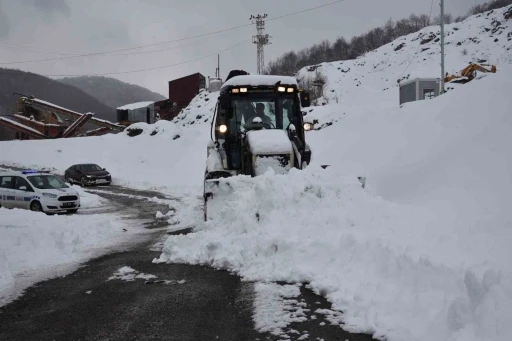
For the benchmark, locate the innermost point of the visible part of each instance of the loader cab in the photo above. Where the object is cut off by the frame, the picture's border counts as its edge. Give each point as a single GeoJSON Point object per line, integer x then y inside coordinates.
{"type": "Point", "coordinates": [248, 103]}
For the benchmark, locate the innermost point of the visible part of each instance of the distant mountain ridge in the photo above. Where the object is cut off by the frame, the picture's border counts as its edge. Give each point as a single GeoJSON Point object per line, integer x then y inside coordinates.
{"type": "Point", "coordinates": [67, 96]}
{"type": "Point", "coordinates": [112, 92]}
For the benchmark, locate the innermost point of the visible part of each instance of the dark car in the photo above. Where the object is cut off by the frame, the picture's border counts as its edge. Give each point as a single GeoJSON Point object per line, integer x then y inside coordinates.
{"type": "Point", "coordinates": [87, 174]}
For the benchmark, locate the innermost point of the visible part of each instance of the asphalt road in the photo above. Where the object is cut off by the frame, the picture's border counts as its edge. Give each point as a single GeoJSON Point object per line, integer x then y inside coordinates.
{"type": "Point", "coordinates": [183, 302]}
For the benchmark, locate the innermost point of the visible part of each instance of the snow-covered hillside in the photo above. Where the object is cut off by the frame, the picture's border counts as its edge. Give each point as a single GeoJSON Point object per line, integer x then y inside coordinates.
{"type": "Point", "coordinates": [373, 78]}
{"type": "Point", "coordinates": [423, 253]}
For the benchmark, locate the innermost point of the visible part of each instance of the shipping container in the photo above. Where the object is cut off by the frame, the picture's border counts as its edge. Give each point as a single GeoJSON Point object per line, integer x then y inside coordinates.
{"type": "Point", "coordinates": [183, 90]}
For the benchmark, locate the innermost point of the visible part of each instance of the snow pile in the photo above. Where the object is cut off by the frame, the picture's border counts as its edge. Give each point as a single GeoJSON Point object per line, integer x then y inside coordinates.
{"type": "Point", "coordinates": [32, 245]}
{"type": "Point", "coordinates": [367, 256]}
{"type": "Point", "coordinates": [424, 253]}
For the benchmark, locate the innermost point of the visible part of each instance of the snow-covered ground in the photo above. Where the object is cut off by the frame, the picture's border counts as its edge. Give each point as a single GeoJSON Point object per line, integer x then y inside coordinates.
{"type": "Point", "coordinates": [423, 253]}
{"type": "Point", "coordinates": [34, 246]}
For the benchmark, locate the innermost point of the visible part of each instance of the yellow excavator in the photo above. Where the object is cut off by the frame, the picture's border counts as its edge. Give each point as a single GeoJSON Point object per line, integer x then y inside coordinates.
{"type": "Point", "coordinates": [469, 73]}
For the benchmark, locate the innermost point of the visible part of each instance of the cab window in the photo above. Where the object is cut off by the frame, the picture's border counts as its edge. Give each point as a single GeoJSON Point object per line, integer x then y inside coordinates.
{"type": "Point", "coordinates": [20, 182]}
{"type": "Point", "coordinates": [6, 182]}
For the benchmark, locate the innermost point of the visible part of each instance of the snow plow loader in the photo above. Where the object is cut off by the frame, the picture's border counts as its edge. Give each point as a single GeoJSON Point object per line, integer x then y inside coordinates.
{"type": "Point", "coordinates": [257, 125]}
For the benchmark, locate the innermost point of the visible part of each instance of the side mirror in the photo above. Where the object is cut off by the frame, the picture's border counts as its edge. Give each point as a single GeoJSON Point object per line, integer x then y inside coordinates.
{"type": "Point", "coordinates": [304, 99]}
{"type": "Point", "coordinates": [22, 188]}
{"type": "Point", "coordinates": [104, 169]}
{"type": "Point", "coordinates": [308, 126]}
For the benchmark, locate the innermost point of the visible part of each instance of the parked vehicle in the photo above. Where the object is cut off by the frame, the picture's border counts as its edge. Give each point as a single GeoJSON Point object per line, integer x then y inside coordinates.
{"type": "Point", "coordinates": [37, 191]}
{"type": "Point", "coordinates": [87, 174]}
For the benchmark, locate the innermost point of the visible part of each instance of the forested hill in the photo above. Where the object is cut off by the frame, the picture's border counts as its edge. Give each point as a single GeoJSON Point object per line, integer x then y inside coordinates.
{"type": "Point", "coordinates": [112, 92]}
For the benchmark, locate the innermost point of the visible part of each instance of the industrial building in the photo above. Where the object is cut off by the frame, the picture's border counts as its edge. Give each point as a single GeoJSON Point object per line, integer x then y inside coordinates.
{"type": "Point", "coordinates": [419, 89]}
{"type": "Point", "coordinates": [183, 90]}
{"type": "Point", "coordinates": [136, 112]}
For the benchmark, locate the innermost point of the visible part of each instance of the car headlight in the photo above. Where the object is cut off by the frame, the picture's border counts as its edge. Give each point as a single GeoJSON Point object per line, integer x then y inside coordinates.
{"type": "Point", "coordinates": [50, 195]}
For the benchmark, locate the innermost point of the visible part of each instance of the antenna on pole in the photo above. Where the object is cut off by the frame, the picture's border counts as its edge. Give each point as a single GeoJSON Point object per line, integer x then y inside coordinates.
{"type": "Point", "coordinates": [260, 39]}
{"type": "Point", "coordinates": [442, 45]}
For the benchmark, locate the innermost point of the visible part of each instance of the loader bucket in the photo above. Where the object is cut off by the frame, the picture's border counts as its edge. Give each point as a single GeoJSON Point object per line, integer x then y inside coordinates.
{"type": "Point", "coordinates": [214, 192]}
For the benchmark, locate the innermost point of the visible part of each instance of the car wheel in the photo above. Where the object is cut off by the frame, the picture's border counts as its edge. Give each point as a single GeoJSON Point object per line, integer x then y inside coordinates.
{"type": "Point", "coordinates": [36, 206]}
{"type": "Point", "coordinates": [83, 182]}
{"type": "Point", "coordinates": [73, 210]}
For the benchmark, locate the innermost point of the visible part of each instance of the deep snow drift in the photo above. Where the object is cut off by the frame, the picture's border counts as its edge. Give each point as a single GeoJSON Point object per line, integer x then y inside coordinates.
{"type": "Point", "coordinates": [424, 253]}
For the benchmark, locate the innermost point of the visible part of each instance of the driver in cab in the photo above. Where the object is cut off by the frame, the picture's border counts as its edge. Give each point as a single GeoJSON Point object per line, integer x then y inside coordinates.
{"type": "Point", "coordinates": [260, 113]}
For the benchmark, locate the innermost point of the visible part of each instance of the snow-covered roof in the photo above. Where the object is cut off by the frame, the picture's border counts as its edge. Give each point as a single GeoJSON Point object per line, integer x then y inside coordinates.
{"type": "Point", "coordinates": [271, 141]}
{"type": "Point", "coordinates": [137, 105]}
{"type": "Point", "coordinates": [255, 80]}
{"type": "Point", "coordinates": [53, 105]}
{"type": "Point", "coordinates": [409, 81]}
{"type": "Point", "coordinates": [20, 125]}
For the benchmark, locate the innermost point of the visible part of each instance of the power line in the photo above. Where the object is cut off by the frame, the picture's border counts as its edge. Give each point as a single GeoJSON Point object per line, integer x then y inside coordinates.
{"type": "Point", "coordinates": [37, 49]}
{"type": "Point", "coordinates": [306, 10]}
{"type": "Point", "coordinates": [163, 42]}
{"type": "Point", "coordinates": [153, 68]}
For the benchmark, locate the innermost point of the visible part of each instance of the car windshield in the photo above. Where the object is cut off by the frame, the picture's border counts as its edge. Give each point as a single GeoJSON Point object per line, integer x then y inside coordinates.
{"type": "Point", "coordinates": [90, 168]}
{"type": "Point", "coordinates": [46, 182]}
{"type": "Point", "coordinates": [275, 114]}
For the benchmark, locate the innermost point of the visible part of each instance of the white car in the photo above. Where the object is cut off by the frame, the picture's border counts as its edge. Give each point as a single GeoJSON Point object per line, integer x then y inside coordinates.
{"type": "Point", "coordinates": [37, 191]}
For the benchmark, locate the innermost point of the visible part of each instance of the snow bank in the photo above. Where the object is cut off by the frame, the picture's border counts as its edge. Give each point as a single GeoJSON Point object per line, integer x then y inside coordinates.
{"type": "Point", "coordinates": [34, 246]}
{"type": "Point", "coordinates": [389, 267]}
{"type": "Point", "coordinates": [423, 253]}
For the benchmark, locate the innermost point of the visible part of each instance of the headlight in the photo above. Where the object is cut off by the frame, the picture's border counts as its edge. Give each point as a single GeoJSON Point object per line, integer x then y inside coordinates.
{"type": "Point", "coordinates": [50, 195]}
{"type": "Point", "coordinates": [281, 89]}
{"type": "Point", "coordinates": [308, 126]}
{"type": "Point", "coordinates": [223, 128]}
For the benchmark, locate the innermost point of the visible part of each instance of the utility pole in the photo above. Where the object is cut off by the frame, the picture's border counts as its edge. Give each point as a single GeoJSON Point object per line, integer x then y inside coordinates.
{"type": "Point", "coordinates": [442, 46]}
{"type": "Point", "coordinates": [261, 39]}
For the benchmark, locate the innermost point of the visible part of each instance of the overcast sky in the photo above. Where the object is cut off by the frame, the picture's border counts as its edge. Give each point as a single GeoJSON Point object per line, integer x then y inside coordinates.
{"type": "Point", "coordinates": [85, 26]}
